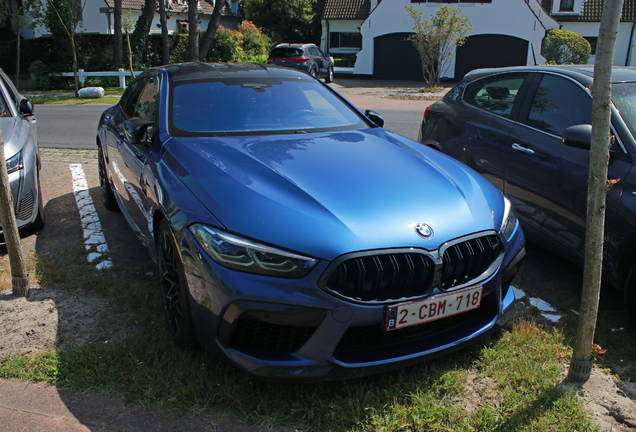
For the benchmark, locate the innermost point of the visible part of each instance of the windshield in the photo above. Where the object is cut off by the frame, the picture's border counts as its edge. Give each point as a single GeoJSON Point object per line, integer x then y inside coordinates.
{"type": "Point", "coordinates": [624, 96]}
{"type": "Point", "coordinates": [240, 106]}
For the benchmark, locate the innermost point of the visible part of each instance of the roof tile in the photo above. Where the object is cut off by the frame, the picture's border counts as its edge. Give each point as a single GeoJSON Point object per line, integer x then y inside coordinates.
{"type": "Point", "coordinates": [593, 9]}
{"type": "Point", "coordinates": [346, 9]}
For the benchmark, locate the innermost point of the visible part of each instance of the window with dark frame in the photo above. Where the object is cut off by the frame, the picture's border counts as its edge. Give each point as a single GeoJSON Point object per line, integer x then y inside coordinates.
{"type": "Point", "coordinates": [592, 40]}
{"type": "Point", "coordinates": [566, 6]}
{"type": "Point", "coordinates": [345, 40]}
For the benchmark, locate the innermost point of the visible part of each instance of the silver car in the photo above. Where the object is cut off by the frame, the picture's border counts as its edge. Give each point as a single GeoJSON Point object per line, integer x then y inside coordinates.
{"type": "Point", "coordinates": [19, 133]}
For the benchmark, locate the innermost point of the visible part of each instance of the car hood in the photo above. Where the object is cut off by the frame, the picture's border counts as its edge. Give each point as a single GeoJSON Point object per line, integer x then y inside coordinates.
{"type": "Point", "coordinates": [14, 135]}
{"type": "Point", "coordinates": [332, 193]}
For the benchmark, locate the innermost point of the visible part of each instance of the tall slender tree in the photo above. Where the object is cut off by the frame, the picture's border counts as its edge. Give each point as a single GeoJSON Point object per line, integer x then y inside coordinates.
{"type": "Point", "coordinates": [581, 363]}
{"type": "Point", "coordinates": [193, 30]}
{"type": "Point", "coordinates": [117, 39]}
{"type": "Point", "coordinates": [213, 26]}
{"type": "Point", "coordinates": [165, 42]}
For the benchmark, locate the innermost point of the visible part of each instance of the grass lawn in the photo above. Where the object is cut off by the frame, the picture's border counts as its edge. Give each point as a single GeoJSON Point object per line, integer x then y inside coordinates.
{"type": "Point", "coordinates": [507, 382]}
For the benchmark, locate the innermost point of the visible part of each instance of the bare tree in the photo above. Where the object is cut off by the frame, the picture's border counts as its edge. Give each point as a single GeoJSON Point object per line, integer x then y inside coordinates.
{"type": "Point", "coordinates": [213, 26]}
{"type": "Point", "coordinates": [581, 364]}
{"type": "Point", "coordinates": [127, 25]}
{"type": "Point", "coordinates": [60, 16]}
{"type": "Point", "coordinates": [437, 38]}
{"type": "Point", "coordinates": [193, 30]}
{"type": "Point", "coordinates": [117, 40]}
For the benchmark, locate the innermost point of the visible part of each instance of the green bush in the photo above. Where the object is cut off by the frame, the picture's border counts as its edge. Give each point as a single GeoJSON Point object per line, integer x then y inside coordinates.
{"type": "Point", "coordinates": [344, 60]}
{"type": "Point", "coordinates": [255, 43]}
{"type": "Point", "coordinates": [565, 47]}
{"type": "Point", "coordinates": [227, 46]}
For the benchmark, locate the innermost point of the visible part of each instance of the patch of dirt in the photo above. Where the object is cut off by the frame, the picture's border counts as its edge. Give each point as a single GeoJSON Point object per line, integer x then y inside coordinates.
{"type": "Point", "coordinates": [610, 402]}
{"type": "Point", "coordinates": [55, 317]}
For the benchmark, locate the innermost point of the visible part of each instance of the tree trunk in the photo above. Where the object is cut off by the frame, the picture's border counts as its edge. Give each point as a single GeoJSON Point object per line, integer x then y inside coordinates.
{"type": "Point", "coordinates": [74, 53]}
{"type": "Point", "coordinates": [165, 42]}
{"type": "Point", "coordinates": [193, 29]}
{"type": "Point", "coordinates": [117, 40]}
{"type": "Point", "coordinates": [213, 25]}
{"type": "Point", "coordinates": [149, 11]}
{"type": "Point", "coordinates": [581, 364]}
{"type": "Point", "coordinates": [130, 62]}
{"type": "Point", "coordinates": [19, 276]}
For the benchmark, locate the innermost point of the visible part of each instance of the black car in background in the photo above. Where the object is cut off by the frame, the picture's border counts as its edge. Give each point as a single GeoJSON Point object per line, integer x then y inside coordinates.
{"type": "Point", "coordinates": [517, 127]}
{"type": "Point", "coordinates": [304, 57]}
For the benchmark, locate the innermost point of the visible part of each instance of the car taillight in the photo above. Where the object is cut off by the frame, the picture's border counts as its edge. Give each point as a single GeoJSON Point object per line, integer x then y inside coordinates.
{"type": "Point", "coordinates": [426, 111]}
{"type": "Point", "coordinates": [269, 60]}
{"type": "Point", "coordinates": [300, 59]}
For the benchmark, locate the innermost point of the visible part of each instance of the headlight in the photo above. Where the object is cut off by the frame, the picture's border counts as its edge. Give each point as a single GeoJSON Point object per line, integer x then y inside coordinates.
{"type": "Point", "coordinates": [14, 163]}
{"type": "Point", "coordinates": [244, 255]}
{"type": "Point", "coordinates": [509, 223]}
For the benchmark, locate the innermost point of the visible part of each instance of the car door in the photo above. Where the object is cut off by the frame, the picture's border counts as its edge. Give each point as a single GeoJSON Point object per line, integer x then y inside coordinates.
{"type": "Point", "coordinates": [134, 157]}
{"type": "Point", "coordinates": [482, 128]}
{"type": "Point", "coordinates": [545, 179]}
{"type": "Point", "coordinates": [318, 59]}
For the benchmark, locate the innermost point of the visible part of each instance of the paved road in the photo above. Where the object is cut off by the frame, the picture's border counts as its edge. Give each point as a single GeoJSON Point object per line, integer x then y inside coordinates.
{"type": "Point", "coordinates": [68, 126]}
{"type": "Point", "coordinates": [74, 126]}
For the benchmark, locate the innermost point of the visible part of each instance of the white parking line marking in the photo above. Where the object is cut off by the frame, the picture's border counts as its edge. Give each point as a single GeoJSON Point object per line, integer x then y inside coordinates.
{"type": "Point", "coordinates": [94, 238]}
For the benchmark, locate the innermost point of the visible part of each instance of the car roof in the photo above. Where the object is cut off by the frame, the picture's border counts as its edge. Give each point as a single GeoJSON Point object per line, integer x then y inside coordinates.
{"type": "Point", "coordinates": [294, 45]}
{"type": "Point", "coordinates": [204, 71]}
{"type": "Point", "coordinates": [583, 73]}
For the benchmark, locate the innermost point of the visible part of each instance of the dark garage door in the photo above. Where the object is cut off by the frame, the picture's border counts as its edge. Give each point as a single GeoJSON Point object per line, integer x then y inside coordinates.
{"type": "Point", "coordinates": [395, 57]}
{"type": "Point", "coordinates": [490, 50]}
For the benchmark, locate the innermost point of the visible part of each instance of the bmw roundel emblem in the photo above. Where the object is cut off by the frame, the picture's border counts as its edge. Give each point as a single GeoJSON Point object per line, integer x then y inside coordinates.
{"type": "Point", "coordinates": [423, 230]}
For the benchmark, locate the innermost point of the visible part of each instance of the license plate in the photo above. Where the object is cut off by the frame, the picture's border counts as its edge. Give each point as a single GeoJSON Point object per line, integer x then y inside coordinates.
{"type": "Point", "coordinates": [434, 308]}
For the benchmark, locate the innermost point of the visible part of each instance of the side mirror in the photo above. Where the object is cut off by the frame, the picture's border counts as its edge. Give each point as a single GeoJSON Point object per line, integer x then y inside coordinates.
{"type": "Point", "coordinates": [374, 117]}
{"type": "Point", "coordinates": [26, 107]}
{"type": "Point", "coordinates": [578, 136]}
{"type": "Point", "coordinates": [137, 130]}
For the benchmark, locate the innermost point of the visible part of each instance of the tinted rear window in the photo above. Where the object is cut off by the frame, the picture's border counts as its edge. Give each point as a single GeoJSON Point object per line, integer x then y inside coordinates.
{"type": "Point", "coordinates": [286, 52]}
{"type": "Point", "coordinates": [261, 105]}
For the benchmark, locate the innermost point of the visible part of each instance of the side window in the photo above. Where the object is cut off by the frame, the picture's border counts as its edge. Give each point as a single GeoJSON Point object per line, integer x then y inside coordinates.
{"type": "Point", "coordinates": [130, 97]}
{"type": "Point", "coordinates": [558, 104]}
{"type": "Point", "coordinates": [496, 94]}
{"type": "Point", "coordinates": [146, 106]}
{"type": "Point", "coordinates": [10, 91]}
{"type": "Point", "coordinates": [313, 51]}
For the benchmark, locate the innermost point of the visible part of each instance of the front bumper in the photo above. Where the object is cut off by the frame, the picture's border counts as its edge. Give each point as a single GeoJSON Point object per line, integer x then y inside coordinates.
{"type": "Point", "coordinates": [291, 330]}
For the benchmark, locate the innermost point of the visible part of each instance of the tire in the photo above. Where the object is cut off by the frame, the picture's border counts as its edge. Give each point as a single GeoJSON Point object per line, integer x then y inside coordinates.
{"type": "Point", "coordinates": [108, 196]}
{"type": "Point", "coordinates": [39, 221]}
{"type": "Point", "coordinates": [329, 77]}
{"type": "Point", "coordinates": [173, 290]}
{"type": "Point", "coordinates": [630, 294]}
{"type": "Point", "coordinates": [312, 72]}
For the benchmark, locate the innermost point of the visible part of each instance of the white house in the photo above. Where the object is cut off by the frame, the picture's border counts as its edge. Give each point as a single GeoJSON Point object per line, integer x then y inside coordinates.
{"type": "Point", "coordinates": [583, 17]}
{"type": "Point", "coordinates": [98, 16]}
{"type": "Point", "coordinates": [505, 33]}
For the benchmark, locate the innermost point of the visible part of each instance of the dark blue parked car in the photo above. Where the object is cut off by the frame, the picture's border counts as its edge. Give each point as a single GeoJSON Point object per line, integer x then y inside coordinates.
{"type": "Point", "coordinates": [527, 130]}
{"type": "Point", "coordinates": [295, 238]}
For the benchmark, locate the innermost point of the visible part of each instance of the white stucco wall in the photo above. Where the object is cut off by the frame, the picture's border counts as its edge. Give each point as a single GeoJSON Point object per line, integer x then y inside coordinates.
{"type": "Point", "coordinates": [342, 26]}
{"type": "Point", "coordinates": [622, 40]}
{"type": "Point", "coordinates": [507, 17]}
{"type": "Point", "coordinates": [95, 21]}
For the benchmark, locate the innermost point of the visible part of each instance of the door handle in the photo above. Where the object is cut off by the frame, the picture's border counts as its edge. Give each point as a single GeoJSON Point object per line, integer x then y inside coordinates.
{"type": "Point", "coordinates": [517, 147]}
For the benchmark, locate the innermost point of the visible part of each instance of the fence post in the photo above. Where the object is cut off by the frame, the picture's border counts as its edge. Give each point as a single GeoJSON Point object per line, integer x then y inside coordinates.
{"type": "Point", "coordinates": [122, 79]}
{"type": "Point", "coordinates": [80, 74]}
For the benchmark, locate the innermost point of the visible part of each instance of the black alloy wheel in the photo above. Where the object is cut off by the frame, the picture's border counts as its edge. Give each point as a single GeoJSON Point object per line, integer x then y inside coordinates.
{"type": "Point", "coordinates": [108, 196]}
{"type": "Point", "coordinates": [174, 296]}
